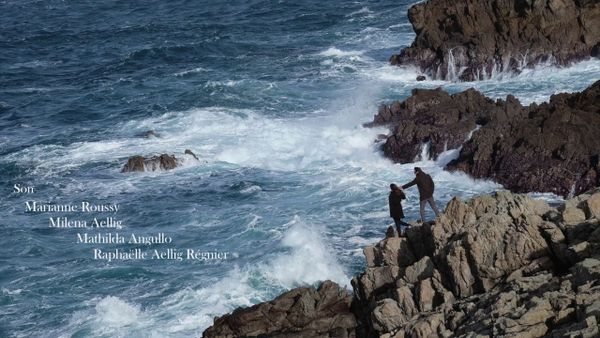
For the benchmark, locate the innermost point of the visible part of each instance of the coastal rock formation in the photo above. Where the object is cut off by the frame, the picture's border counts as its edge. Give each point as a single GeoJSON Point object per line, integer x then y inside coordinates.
{"type": "Point", "coordinates": [439, 121]}
{"type": "Point", "coordinates": [302, 312]}
{"type": "Point", "coordinates": [501, 265]}
{"type": "Point", "coordinates": [471, 40]}
{"type": "Point", "coordinates": [155, 163]}
{"type": "Point", "coordinates": [552, 147]}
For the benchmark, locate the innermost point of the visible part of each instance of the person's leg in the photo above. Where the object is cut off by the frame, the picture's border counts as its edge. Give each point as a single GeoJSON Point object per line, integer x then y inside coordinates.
{"type": "Point", "coordinates": [422, 210]}
{"type": "Point", "coordinates": [434, 206]}
{"type": "Point", "coordinates": [398, 223]}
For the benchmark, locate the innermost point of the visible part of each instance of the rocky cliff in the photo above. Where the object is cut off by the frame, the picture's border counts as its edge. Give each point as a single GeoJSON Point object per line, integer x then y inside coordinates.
{"type": "Point", "coordinates": [471, 40]}
{"type": "Point", "coordinates": [495, 266]}
{"type": "Point", "coordinates": [552, 147]}
{"type": "Point", "coordinates": [501, 265]}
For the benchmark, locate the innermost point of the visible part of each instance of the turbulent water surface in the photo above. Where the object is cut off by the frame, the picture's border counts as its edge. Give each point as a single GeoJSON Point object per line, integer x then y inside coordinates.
{"type": "Point", "coordinates": [271, 97]}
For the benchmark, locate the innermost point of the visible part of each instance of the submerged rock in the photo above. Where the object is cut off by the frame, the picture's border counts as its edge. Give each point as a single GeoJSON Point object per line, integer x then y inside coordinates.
{"type": "Point", "coordinates": [148, 134]}
{"type": "Point", "coordinates": [471, 40]}
{"type": "Point", "coordinates": [552, 147]}
{"type": "Point", "coordinates": [154, 163]}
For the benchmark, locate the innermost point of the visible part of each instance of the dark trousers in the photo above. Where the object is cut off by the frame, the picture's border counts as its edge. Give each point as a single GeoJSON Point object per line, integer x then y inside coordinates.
{"type": "Point", "coordinates": [400, 224]}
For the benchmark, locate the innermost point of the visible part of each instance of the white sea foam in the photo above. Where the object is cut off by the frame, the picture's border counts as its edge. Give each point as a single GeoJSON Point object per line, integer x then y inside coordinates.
{"type": "Point", "coordinates": [305, 258]}
{"type": "Point", "coordinates": [114, 312]}
{"type": "Point", "coordinates": [191, 71]}
{"type": "Point", "coordinates": [363, 10]}
{"type": "Point", "coordinates": [335, 52]}
{"type": "Point", "coordinates": [310, 259]}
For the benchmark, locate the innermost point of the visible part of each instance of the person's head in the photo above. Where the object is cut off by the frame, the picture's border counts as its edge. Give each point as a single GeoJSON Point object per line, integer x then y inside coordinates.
{"type": "Point", "coordinates": [393, 187]}
{"type": "Point", "coordinates": [418, 170]}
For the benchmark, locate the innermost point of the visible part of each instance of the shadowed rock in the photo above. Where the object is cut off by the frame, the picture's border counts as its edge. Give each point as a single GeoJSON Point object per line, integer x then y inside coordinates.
{"type": "Point", "coordinates": [552, 147]}
{"type": "Point", "coordinates": [471, 40]}
{"type": "Point", "coordinates": [189, 152]}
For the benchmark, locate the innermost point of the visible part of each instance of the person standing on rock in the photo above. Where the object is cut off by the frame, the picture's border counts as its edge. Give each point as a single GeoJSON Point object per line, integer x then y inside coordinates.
{"type": "Point", "coordinates": [396, 212]}
{"type": "Point", "coordinates": [426, 186]}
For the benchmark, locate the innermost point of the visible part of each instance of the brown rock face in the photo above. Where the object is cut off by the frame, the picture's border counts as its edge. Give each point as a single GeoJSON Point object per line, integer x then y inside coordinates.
{"type": "Point", "coordinates": [154, 163]}
{"type": "Point", "coordinates": [442, 120]}
{"type": "Point", "coordinates": [301, 312]}
{"type": "Point", "coordinates": [470, 40]}
{"type": "Point", "coordinates": [552, 147]}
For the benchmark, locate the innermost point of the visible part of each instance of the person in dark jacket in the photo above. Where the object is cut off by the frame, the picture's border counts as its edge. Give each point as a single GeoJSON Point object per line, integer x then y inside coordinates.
{"type": "Point", "coordinates": [396, 212]}
{"type": "Point", "coordinates": [426, 187]}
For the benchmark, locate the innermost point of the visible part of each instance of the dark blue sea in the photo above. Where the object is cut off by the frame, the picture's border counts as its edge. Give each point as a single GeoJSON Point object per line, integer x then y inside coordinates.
{"type": "Point", "coordinates": [270, 95]}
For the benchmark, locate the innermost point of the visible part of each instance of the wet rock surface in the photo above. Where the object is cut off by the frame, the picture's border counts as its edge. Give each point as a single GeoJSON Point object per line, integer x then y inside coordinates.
{"type": "Point", "coordinates": [551, 147]}
{"type": "Point", "coordinates": [154, 163]}
{"type": "Point", "coordinates": [471, 40]}
{"type": "Point", "coordinates": [161, 162]}
{"type": "Point", "coordinates": [501, 265]}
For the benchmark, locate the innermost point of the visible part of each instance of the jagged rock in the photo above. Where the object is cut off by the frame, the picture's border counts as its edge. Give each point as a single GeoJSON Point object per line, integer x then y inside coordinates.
{"type": "Point", "coordinates": [429, 326]}
{"type": "Point", "coordinates": [369, 252]}
{"type": "Point", "coordinates": [373, 280]}
{"type": "Point", "coordinates": [593, 206]}
{"type": "Point", "coordinates": [421, 240]}
{"type": "Point", "coordinates": [434, 117]}
{"type": "Point", "coordinates": [421, 78]}
{"type": "Point", "coordinates": [393, 251]}
{"type": "Point", "coordinates": [585, 271]}
{"type": "Point", "coordinates": [493, 256]}
{"type": "Point", "coordinates": [404, 296]}
{"type": "Point", "coordinates": [189, 152]}
{"type": "Point", "coordinates": [422, 269]}
{"type": "Point", "coordinates": [552, 147]}
{"type": "Point", "coordinates": [302, 312]}
{"type": "Point", "coordinates": [391, 232]}
{"type": "Point", "coordinates": [472, 40]}
{"type": "Point", "coordinates": [502, 268]}
{"type": "Point", "coordinates": [154, 163]}
{"type": "Point", "coordinates": [387, 316]}
{"type": "Point", "coordinates": [550, 150]}
{"type": "Point", "coordinates": [573, 215]}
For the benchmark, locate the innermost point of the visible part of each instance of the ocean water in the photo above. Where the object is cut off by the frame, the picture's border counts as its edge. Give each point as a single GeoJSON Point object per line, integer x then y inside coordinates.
{"type": "Point", "coordinates": [270, 95]}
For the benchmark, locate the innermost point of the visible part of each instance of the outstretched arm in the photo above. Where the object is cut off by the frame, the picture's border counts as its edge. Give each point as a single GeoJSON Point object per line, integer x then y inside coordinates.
{"type": "Point", "coordinates": [410, 184]}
